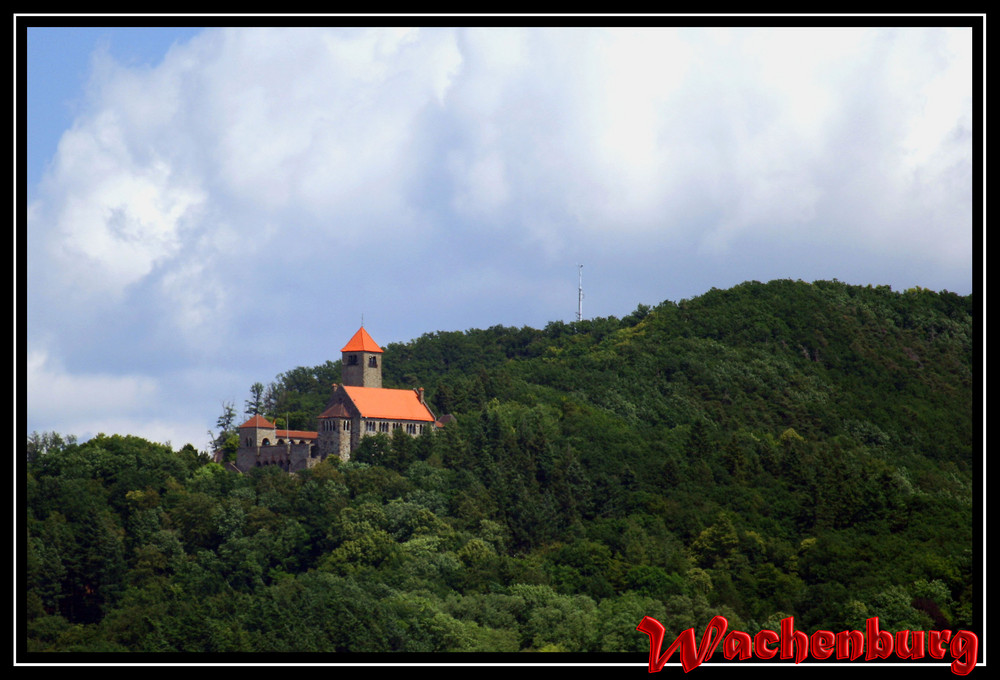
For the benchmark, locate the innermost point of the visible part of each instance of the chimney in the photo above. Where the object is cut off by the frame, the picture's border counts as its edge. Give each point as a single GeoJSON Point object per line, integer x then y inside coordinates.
{"type": "Point", "coordinates": [420, 394]}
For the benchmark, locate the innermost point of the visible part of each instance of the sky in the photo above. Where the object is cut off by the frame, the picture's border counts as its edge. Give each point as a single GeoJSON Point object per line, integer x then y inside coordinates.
{"type": "Point", "coordinates": [206, 209]}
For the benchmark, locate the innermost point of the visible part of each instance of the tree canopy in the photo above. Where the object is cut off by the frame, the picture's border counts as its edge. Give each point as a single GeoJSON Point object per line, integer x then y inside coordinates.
{"type": "Point", "coordinates": [768, 450]}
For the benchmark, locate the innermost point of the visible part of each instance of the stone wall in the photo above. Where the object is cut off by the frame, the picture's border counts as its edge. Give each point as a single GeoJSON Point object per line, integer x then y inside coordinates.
{"type": "Point", "coordinates": [289, 457]}
{"type": "Point", "coordinates": [356, 369]}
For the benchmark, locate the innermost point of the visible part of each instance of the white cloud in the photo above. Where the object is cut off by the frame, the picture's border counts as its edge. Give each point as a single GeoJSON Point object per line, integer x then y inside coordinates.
{"type": "Point", "coordinates": [315, 171]}
{"type": "Point", "coordinates": [110, 209]}
{"type": "Point", "coordinates": [633, 130]}
{"type": "Point", "coordinates": [55, 395]}
{"type": "Point", "coordinates": [319, 119]}
{"type": "Point", "coordinates": [201, 313]}
{"type": "Point", "coordinates": [85, 404]}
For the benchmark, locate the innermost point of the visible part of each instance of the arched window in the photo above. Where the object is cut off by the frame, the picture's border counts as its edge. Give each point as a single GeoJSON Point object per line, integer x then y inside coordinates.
{"type": "Point", "coordinates": [372, 362]}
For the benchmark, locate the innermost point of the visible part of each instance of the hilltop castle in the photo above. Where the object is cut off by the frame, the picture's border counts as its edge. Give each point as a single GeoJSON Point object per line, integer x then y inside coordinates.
{"type": "Point", "coordinates": [359, 407]}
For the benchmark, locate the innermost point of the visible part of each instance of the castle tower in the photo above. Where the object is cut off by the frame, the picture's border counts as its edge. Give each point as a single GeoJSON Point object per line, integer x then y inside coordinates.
{"type": "Point", "coordinates": [334, 436]}
{"type": "Point", "coordinates": [257, 432]}
{"type": "Point", "coordinates": [362, 361]}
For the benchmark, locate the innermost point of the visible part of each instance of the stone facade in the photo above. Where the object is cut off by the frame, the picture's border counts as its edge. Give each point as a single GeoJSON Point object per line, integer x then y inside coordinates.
{"type": "Point", "coordinates": [362, 368]}
{"type": "Point", "coordinates": [357, 408]}
{"type": "Point", "coordinates": [289, 455]}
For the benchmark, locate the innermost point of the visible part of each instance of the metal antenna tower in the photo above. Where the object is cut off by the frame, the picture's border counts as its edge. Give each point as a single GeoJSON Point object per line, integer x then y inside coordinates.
{"type": "Point", "coordinates": [579, 301]}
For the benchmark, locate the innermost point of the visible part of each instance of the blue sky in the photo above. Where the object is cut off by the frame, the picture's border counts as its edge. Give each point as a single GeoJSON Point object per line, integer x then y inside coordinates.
{"type": "Point", "coordinates": [58, 68]}
{"type": "Point", "coordinates": [209, 208]}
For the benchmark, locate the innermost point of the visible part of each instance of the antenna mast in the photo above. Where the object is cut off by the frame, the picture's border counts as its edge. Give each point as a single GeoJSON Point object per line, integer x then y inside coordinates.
{"type": "Point", "coordinates": [579, 301]}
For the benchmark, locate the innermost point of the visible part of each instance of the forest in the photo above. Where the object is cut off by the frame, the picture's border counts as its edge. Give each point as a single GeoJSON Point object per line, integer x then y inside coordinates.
{"type": "Point", "coordinates": [776, 449]}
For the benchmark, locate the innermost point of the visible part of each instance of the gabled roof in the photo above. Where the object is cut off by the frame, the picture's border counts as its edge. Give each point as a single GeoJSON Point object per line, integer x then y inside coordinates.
{"type": "Point", "coordinates": [335, 411]}
{"type": "Point", "coordinates": [381, 402]}
{"type": "Point", "coordinates": [362, 342]}
{"type": "Point", "coordinates": [258, 421]}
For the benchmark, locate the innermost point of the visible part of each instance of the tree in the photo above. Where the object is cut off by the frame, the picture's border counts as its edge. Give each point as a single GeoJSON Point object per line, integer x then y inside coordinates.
{"type": "Point", "coordinates": [47, 442]}
{"type": "Point", "coordinates": [226, 424]}
{"type": "Point", "coordinates": [270, 400]}
{"type": "Point", "coordinates": [255, 403]}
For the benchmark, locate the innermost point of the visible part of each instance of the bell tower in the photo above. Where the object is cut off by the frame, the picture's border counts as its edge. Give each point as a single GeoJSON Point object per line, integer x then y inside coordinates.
{"type": "Point", "coordinates": [362, 361]}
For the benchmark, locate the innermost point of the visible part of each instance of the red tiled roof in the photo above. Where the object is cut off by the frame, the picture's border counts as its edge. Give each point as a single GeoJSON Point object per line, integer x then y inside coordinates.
{"type": "Point", "coordinates": [362, 342]}
{"type": "Point", "coordinates": [295, 434]}
{"type": "Point", "coordinates": [263, 423]}
{"type": "Point", "coordinates": [380, 402]}
{"type": "Point", "coordinates": [258, 421]}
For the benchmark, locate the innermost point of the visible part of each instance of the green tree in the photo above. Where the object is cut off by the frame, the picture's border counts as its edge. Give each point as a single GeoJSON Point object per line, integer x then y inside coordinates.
{"type": "Point", "coordinates": [255, 404]}
{"type": "Point", "coordinates": [226, 425]}
{"type": "Point", "coordinates": [46, 442]}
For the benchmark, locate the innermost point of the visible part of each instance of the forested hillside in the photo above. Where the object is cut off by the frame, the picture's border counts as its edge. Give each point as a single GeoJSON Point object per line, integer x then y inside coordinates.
{"type": "Point", "coordinates": [772, 450]}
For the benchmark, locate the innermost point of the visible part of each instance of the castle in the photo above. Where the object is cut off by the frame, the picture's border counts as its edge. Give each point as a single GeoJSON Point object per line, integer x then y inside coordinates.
{"type": "Point", "coordinates": [357, 408]}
